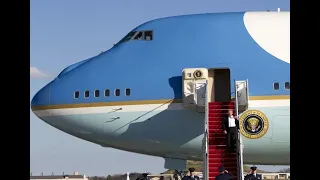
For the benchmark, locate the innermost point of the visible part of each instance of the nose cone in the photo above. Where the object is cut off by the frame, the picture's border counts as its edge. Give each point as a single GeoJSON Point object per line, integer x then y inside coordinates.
{"type": "Point", "coordinates": [41, 98]}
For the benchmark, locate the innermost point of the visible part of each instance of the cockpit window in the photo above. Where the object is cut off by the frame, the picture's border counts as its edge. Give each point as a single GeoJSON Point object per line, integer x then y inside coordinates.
{"type": "Point", "coordinates": [148, 35]}
{"type": "Point", "coordinates": [138, 35]}
{"type": "Point", "coordinates": [127, 37]}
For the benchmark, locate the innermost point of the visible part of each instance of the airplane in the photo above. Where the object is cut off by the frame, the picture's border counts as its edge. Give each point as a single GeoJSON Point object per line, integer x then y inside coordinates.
{"type": "Point", "coordinates": [136, 96]}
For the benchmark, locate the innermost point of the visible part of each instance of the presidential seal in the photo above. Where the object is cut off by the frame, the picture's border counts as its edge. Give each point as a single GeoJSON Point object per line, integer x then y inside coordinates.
{"type": "Point", "coordinates": [253, 124]}
{"type": "Point", "coordinates": [197, 74]}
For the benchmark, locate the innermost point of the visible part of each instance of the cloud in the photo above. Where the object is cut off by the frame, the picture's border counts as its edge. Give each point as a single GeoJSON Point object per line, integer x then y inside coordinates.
{"type": "Point", "coordinates": [36, 73]}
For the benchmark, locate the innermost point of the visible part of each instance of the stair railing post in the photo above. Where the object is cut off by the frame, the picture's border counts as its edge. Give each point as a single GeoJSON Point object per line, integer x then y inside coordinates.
{"type": "Point", "coordinates": [239, 150]}
{"type": "Point", "coordinates": [205, 159]}
{"type": "Point", "coordinates": [195, 92]}
{"type": "Point", "coordinates": [241, 159]}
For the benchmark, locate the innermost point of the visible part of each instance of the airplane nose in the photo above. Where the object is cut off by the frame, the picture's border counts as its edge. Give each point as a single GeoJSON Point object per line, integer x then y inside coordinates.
{"type": "Point", "coordinates": [41, 98]}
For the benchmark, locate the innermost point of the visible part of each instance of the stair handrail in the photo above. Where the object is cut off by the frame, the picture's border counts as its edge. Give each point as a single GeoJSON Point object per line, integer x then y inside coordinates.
{"type": "Point", "coordinates": [247, 89]}
{"type": "Point", "coordinates": [239, 140]}
{"type": "Point", "coordinates": [206, 108]}
{"type": "Point", "coordinates": [195, 92]}
{"type": "Point", "coordinates": [246, 86]}
{"type": "Point", "coordinates": [205, 154]}
{"type": "Point", "coordinates": [241, 157]}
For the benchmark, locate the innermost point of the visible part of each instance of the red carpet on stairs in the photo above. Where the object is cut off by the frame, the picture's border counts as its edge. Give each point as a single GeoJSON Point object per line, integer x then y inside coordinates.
{"type": "Point", "coordinates": [218, 154]}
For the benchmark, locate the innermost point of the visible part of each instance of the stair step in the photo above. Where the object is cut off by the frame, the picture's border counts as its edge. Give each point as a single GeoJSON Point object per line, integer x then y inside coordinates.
{"type": "Point", "coordinates": [213, 178]}
{"type": "Point", "coordinates": [223, 111]}
{"type": "Point", "coordinates": [232, 163]}
{"type": "Point", "coordinates": [222, 103]}
{"type": "Point", "coordinates": [217, 135]}
{"type": "Point", "coordinates": [217, 141]}
{"type": "Point", "coordinates": [219, 106]}
{"type": "Point", "coordinates": [222, 155]}
{"type": "Point", "coordinates": [212, 137]}
{"type": "Point", "coordinates": [216, 147]}
{"type": "Point", "coordinates": [217, 164]}
{"type": "Point", "coordinates": [211, 124]}
{"type": "Point", "coordinates": [228, 168]}
{"type": "Point", "coordinates": [231, 168]}
{"type": "Point", "coordinates": [215, 119]}
{"type": "Point", "coordinates": [225, 164]}
{"type": "Point", "coordinates": [215, 125]}
{"type": "Point", "coordinates": [219, 152]}
{"type": "Point", "coordinates": [225, 159]}
{"type": "Point", "coordinates": [214, 131]}
{"type": "Point", "coordinates": [222, 160]}
{"type": "Point", "coordinates": [232, 156]}
{"type": "Point", "coordinates": [214, 174]}
{"type": "Point", "coordinates": [210, 114]}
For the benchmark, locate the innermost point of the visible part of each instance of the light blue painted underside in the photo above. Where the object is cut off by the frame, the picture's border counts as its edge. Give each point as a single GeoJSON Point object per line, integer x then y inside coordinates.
{"type": "Point", "coordinates": [179, 131]}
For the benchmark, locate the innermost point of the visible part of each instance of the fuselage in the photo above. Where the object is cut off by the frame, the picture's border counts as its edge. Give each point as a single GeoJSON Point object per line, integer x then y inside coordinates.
{"type": "Point", "coordinates": [130, 97]}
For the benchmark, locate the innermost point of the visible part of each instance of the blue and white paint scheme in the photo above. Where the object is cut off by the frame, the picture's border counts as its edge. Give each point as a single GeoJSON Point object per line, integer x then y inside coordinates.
{"type": "Point", "coordinates": [144, 112]}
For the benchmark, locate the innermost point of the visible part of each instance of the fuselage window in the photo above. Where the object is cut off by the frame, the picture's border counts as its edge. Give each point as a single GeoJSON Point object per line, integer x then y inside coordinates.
{"type": "Point", "coordinates": [76, 94]}
{"type": "Point", "coordinates": [287, 85]}
{"type": "Point", "coordinates": [106, 92]}
{"type": "Point", "coordinates": [96, 93]}
{"type": "Point", "coordinates": [86, 94]}
{"type": "Point", "coordinates": [127, 92]}
{"type": "Point", "coordinates": [276, 86]}
{"type": "Point", "coordinates": [117, 92]}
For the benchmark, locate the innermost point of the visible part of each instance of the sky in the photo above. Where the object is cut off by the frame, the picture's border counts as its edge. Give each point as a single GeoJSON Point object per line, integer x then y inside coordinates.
{"type": "Point", "coordinates": [65, 32]}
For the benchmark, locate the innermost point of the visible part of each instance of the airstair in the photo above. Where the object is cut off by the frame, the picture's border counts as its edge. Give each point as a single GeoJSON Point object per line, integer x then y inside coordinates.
{"type": "Point", "coordinates": [215, 153]}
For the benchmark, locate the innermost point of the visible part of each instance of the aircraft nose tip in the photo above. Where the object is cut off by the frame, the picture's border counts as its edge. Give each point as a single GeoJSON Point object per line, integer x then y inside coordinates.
{"type": "Point", "coordinates": [41, 98]}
